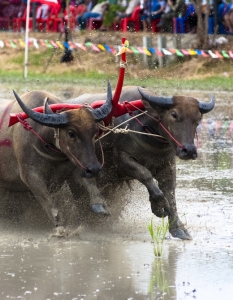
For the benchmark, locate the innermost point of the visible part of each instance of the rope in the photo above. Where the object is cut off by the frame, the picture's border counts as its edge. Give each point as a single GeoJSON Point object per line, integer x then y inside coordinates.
{"type": "Point", "coordinates": [125, 130]}
{"type": "Point", "coordinates": [159, 121]}
{"type": "Point", "coordinates": [123, 64]}
{"type": "Point", "coordinates": [28, 127]}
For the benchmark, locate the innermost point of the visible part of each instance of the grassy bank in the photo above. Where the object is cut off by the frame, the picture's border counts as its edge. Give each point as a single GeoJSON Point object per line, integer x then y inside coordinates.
{"type": "Point", "coordinates": [90, 70]}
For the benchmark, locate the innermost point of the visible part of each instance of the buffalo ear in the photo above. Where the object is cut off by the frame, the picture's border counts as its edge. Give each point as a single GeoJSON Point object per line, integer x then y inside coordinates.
{"type": "Point", "coordinates": [47, 109]}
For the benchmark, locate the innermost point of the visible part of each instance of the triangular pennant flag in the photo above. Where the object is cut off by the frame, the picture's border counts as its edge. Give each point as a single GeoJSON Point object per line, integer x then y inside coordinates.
{"type": "Point", "coordinates": [8, 44]}
{"type": "Point", "coordinates": [101, 47]}
{"type": "Point", "coordinates": [179, 53]}
{"type": "Point", "coordinates": [35, 43]}
{"type": "Point", "coordinates": [140, 50]}
{"type": "Point", "coordinates": [199, 52]}
{"type": "Point", "coordinates": [159, 53]}
{"type": "Point", "coordinates": [212, 54]}
{"type": "Point", "coordinates": [107, 48]}
{"type": "Point", "coordinates": [135, 50]}
{"type": "Point", "coordinates": [185, 52]}
{"type": "Point", "coordinates": [218, 54]}
{"type": "Point", "coordinates": [43, 43]}
{"type": "Point", "coordinates": [192, 52]}
{"type": "Point", "coordinates": [53, 44]}
{"type": "Point", "coordinates": [204, 54]}
{"type": "Point", "coordinates": [72, 45]}
{"type": "Point", "coordinates": [225, 126]}
{"type": "Point", "coordinates": [166, 52]}
{"type": "Point", "coordinates": [225, 54]}
{"type": "Point", "coordinates": [230, 54]}
{"type": "Point", "coordinates": [81, 46]}
{"type": "Point", "coordinates": [88, 44]}
{"type": "Point", "coordinates": [95, 48]}
{"type": "Point", "coordinates": [1, 44]}
{"type": "Point", "coordinates": [22, 44]}
{"type": "Point", "coordinates": [146, 51]}
{"type": "Point", "coordinates": [60, 45]}
{"type": "Point", "coordinates": [66, 45]}
{"type": "Point", "coordinates": [48, 44]}
{"type": "Point", "coordinates": [152, 50]}
{"type": "Point", "coordinates": [172, 50]}
{"type": "Point", "coordinates": [13, 44]}
{"type": "Point", "coordinates": [114, 50]}
{"type": "Point", "coordinates": [231, 126]}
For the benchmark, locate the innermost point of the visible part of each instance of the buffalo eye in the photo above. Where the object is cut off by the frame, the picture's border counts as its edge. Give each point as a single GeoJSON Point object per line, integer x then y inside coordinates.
{"type": "Point", "coordinates": [174, 115]}
{"type": "Point", "coordinates": [71, 134]}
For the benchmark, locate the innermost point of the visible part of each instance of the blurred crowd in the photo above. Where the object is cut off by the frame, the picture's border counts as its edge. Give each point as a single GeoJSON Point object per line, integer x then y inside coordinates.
{"type": "Point", "coordinates": [108, 15]}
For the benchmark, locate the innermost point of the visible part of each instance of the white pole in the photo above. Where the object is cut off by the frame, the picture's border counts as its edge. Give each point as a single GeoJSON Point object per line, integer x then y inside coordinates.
{"type": "Point", "coordinates": [26, 40]}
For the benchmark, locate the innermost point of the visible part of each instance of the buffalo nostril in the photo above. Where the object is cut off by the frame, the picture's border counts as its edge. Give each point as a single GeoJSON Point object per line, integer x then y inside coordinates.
{"type": "Point", "coordinates": [92, 171]}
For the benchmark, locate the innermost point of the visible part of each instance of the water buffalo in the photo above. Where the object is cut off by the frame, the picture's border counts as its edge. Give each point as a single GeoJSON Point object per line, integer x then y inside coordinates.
{"type": "Point", "coordinates": [145, 158]}
{"type": "Point", "coordinates": [61, 142]}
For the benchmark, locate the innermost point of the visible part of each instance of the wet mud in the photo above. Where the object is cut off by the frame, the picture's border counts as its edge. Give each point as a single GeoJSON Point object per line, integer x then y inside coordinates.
{"type": "Point", "coordinates": [114, 259]}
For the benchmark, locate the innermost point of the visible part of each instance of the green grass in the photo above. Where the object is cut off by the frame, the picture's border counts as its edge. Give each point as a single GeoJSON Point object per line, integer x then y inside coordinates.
{"type": "Point", "coordinates": [216, 83]}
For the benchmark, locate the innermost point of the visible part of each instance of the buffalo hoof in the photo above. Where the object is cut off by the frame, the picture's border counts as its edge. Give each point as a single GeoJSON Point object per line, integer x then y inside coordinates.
{"type": "Point", "coordinates": [180, 233]}
{"type": "Point", "coordinates": [100, 209]}
{"type": "Point", "coordinates": [159, 210]}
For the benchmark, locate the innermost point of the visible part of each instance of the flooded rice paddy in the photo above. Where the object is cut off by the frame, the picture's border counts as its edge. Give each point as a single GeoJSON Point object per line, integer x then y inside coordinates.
{"type": "Point", "coordinates": [117, 262]}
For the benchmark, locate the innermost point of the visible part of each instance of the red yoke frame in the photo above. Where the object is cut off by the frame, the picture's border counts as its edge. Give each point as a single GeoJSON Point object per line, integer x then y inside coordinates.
{"type": "Point", "coordinates": [117, 109]}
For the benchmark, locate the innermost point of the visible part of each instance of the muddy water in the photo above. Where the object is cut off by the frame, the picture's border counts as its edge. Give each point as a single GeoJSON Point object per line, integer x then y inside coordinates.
{"type": "Point", "coordinates": [118, 263]}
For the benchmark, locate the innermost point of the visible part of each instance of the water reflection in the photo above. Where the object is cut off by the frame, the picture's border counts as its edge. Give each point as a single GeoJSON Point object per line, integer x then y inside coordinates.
{"type": "Point", "coordinates": [115, 271]}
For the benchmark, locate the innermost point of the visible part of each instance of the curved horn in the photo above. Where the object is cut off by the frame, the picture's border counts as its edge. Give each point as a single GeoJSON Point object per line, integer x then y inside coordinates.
{"type": "Point", "coordinates": [164, 102]}
{"type": "Point", "coordinates": [51, 120]}
{"type": "Point", "coordinates": [206, 107]}
{"type": "Point", "coordinates": [47, 109]}
{"type": "Point", "coordinates": [102, 112]}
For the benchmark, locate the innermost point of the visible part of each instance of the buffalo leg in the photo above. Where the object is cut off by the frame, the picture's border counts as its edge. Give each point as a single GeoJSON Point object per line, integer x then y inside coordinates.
{"type": "Point", "coordinates": [97, 200]}
{"type": "Point", "coordinates": [167, 181]}
{"type": "Point", "coordinates": [39, 189]}
{"type": "Point", "coordinates": [131, 168]}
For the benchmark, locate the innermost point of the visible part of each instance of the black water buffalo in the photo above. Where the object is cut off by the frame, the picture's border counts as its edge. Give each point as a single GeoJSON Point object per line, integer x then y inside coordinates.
{"type": "Point", "coordinates": [41, 161]}
{"type": "Point", "coordinates": [145, 158]}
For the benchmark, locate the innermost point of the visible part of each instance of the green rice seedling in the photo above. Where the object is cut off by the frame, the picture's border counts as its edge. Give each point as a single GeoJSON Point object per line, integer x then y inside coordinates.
{"type": "Point", "coordinates": [158, 235]}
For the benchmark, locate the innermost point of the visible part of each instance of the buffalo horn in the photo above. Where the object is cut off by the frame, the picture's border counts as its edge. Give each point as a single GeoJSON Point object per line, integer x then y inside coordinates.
{"type": "Point", "coordinates": [102, 112]}
{"type": "Point", "coordinates": [50, 120]}
{"type": "Point", "coordinates": [47, 109]}
{"type": "Point", "coordinates": [206, 107]}
{"type": "Point", "coordinates": [164, 102]}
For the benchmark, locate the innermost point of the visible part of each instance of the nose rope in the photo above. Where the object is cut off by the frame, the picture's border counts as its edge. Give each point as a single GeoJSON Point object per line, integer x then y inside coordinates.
{"type": "Point", "coordinates": [157, 120]}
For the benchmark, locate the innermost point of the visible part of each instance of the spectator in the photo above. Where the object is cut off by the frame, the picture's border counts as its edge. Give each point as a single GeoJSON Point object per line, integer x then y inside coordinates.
{"type": "Point", "coordinates": [109, 15]}
{"type": "Point", "coordinates": [224, 14]}
{"type": "Point", "coordinates": [191, 18]}
{"type": "Point", "coordinates": [22, 8]}
{"type": "Point", "coordinates": [228, 20]}
{"type": "Point", "coordinates": [153, 9]}
{"type": "Point", "coordinates": [128, 12]}
{"type": "Point", "coordinates": [177, 8]}
{"type": "Point", "coordinates": [97, 12]}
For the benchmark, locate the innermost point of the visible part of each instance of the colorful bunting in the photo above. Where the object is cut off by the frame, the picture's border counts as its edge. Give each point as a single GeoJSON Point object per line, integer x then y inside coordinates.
{"type": "Point", "coordinates": [112, 49]}
{"type": "Point", "coordinates": [166, 52]}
